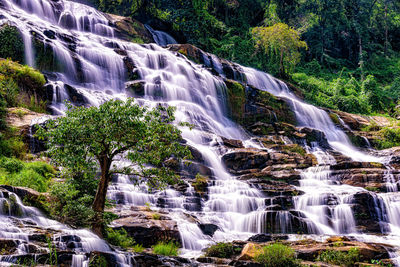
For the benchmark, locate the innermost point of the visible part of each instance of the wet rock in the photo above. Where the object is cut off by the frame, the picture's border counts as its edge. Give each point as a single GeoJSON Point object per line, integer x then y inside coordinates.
{"type": "Point", "coordinates": [130, 29]}
{"type": "Point", "coordinates": [196, 154]}
{"type": "Point", "coordinates": [147, 231]}
{"type": "Point", "coordinates": [249, 251]}
{"type": "Point", "coordinates": [75, 96]}
{"type": "Point", "coordinates": [263, 238]}
{"type": "Point", "coordinates": [310, 249]}
{"type": "Point", "coordinates": [190, 51]}
{"type": "Point", "coordinates": [136, 88]}
{"type": "Point", "coordinates": [67, 21]}
{"type": "Point", "coordinates": [232, 143]}
{"type": "Point", "coordinates": [208, 228]}
{"type": "Point", "coordinates": [50, 34]}
{"type": "Point", "coordinates": [368, 214]}
{"type": "Point", "coordinates": [357, 165]}
{"type": "Point", "coordinates": [245, 159]}
{"type": "Point", "coordinates": [21, 118]}
{"type": "Point", "coordinates": [194, 169]}
{"type": "Point", "coordinates": [8, 246]}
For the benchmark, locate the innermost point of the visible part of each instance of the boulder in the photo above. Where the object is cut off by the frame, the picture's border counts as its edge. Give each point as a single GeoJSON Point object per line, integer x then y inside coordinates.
{"type": "Point", "coordinates": [147, 231]}
{"type": "Point", "coordinates": [190, 51]}
{"type": "Point", "coordinates": [130, 29]}
{"type": "Point", "coordinates": [245, 159]}
{"type": "Point", "coordinates": [232, 143]}
{"type": "Point", "coordinates": [249, 251]}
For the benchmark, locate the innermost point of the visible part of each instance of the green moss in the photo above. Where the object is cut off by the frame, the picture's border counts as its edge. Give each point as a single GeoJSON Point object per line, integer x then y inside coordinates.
{"type": "Point", "coordinates": [11, 43]}
{"type": "Point", "coordinates": [156, 216]}
{"type": "Point", "coordinates": [200, 183]}
{"type": "Point", "coordinates": [21, 85]}
{"type": "Point", "coordinates": [222, 250]}
{"type": "Point", "coordinates": [44, 57]}
{"type": "Point", "coordinates": [236, 99]}
{"type": "Point", "coordinates": [372, 189]}
{"type": "Point", "coordinates": [295, 149]}
{"type": "Point", "coordinates": [335, 118]}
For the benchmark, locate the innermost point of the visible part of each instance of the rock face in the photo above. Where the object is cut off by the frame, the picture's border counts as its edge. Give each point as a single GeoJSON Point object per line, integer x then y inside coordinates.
{"type": "Point", "coordinates": [148, 229]}
{"type": "Point", "coordinates": [130, 29]}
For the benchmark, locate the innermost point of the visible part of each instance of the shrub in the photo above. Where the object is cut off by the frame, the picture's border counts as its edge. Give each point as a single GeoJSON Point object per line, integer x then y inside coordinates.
{"type": "Point", "coordinates": [166, 249]}
{"type": "Point", "coordinates": [222, 250]}
{"type": "Point", "coordinates": [11, 165]}
{"type": "Point", "coordinates": [340, 257]}
{"type": "Point", "coordinates": [11, 44]}
{"type": "Point", "coordinates": [137, 248]}
{"type": "Point", "coordinates": [200, 183]}
{"type": "Point", "coordinates": [390, 138]}
{"type": "Point", "coordinates": [277, 255]}
{"type": "Point", "coordinates": [69, 205]}
{"type": "Point", "coordinates": [35, 175]}
{"type": "Point", "coordinates": [29, 178]}
{"type": "Point", "coordinates": [119, 238]}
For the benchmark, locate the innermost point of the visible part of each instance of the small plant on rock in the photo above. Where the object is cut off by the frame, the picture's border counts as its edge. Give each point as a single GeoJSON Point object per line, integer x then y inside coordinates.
{"type": "Point", "coordinates": [222, 250]}
{"type": "Point", "coordinates": [277, 255]}
{"type": "Point", "coordinates": [166, 249]}
{"type": "Point", "coordinates": [342, 258]}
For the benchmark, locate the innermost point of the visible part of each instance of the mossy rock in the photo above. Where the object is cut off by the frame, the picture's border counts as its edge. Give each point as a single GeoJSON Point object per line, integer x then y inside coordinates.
{"type": "Point", "coordinates": [189, 51]}
{"type": "Point", "coordinates": [11, 43]}
{"type": "Point", "coordinates": [200, 184]}
{"type": "Point", "coordinates": [27, 85]}
{"type": "Point", "coordinates": [236, 99]}
{"type": "Point", "coordinates": [45, 59]}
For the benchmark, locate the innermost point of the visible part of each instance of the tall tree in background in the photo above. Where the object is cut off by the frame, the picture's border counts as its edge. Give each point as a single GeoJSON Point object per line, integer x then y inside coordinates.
{"type": "Point", "coordinates": [282, 44]}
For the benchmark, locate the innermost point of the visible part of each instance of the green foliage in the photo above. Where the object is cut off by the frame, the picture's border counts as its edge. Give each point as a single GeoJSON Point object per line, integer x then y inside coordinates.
{"type": "Point", "coordinates": [88, 138]}
{"type": "Point", "coordinates": [277, 255]}
{"type": "Point", "coordinates": [71, 205]}
{"type": "Point", "coordinates": [200, 183]}
{"type": "Point", "coordinates": [119, 238]}
{"type": "Point", "coordinates": [222, 250]}
{"type": "Point", "coordinates": [35, 175]}
{"type": "Point", "coordinates": [341, 258]}
{"type": "Point", "coordinates": [156, 216]}
{"type": "Point", "coordinates": [88, 134]}
{"type": "Point", "coordinates": [98, 261]}
{"type": "Point", "coordinates": [18, 86]}
{"type": "Point", "coordinates": [390, 138]}
{"type": "Point", "coordinates": [166, 249]}
{"type": "Point", "coordinates": [11, 44]}
{"type": "Point", "coordinates": [281, 43]}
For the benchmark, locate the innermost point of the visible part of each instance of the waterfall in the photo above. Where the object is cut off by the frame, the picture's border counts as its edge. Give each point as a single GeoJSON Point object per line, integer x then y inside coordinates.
{"type": "Point", "coordinates": [93, 64]}
{"type": "Point", "coordinates": [161, 38]}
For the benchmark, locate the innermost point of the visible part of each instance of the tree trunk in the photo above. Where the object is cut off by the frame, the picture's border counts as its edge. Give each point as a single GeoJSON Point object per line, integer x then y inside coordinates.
{"type": "Point", "coordinates": [100, 198]}
{"type": "Point", "coordinates": [386, 30]}
{"type": "Point", "coordinates": [361, 60]}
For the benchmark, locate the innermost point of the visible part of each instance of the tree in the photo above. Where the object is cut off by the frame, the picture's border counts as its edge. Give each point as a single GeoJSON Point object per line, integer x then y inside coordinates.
{"type": "Point", "coordinates": [97, 136]}
{"type": "Point", "coordinates": [281, 43]}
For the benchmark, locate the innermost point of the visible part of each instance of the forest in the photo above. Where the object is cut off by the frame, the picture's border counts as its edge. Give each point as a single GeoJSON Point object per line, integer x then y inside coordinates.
{"type": "Point", "coordinates": [351, 61]}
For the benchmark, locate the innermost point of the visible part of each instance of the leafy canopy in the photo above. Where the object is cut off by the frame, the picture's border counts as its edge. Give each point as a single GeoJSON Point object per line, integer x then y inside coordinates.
{"type": "Point", "coordinates": [88, 136]}
{"type": "Point", "coordinates": [281, 43]}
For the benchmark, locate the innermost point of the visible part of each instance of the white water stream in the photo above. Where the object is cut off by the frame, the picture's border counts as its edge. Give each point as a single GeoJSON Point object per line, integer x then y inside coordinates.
{"type": "Point", "coordinates": [84, 43]}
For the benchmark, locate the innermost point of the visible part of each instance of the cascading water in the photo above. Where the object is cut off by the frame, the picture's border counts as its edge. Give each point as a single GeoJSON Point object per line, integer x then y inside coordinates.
{"type": "Point", "coordinates": [95, 72]}
{"type": "Point", "coordinates": [86, 46]}
{"type": "Point", "coordinates": [328, 208]}
{"type": "Point", "coordinates": [161, 38]}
